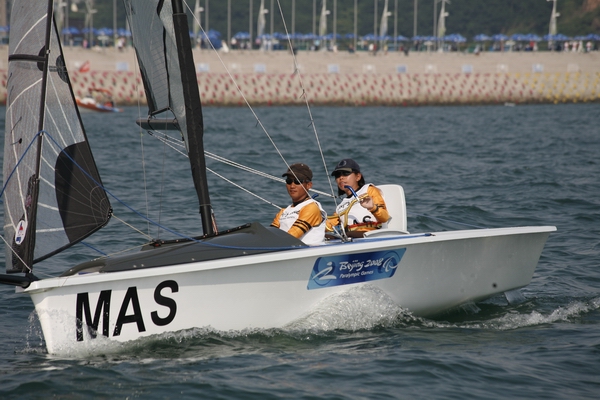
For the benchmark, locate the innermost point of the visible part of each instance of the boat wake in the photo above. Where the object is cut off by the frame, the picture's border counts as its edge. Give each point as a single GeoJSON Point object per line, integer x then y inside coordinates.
{"type": "Point", "coordinates": [361, 309]}
{"type": "Point", "coordinates": [514, 319]}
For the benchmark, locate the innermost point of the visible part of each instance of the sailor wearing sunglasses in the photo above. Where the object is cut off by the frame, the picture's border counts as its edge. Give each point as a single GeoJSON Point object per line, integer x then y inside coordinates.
{"type": "Point", "coordinates": [363, 208]}
{"type": "Point", "coordinates": [304, 218]}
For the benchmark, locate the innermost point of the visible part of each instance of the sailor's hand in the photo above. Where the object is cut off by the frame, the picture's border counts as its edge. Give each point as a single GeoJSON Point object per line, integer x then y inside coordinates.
{"type": "Point", "coordinates": [367, 202]}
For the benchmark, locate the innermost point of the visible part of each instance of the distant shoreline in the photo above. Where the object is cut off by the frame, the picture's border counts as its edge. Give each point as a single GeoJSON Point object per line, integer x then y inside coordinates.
{"type": "Point", "coordinates": [266, 78]}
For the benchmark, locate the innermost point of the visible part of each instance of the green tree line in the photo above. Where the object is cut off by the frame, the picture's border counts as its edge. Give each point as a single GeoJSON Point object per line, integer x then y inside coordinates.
{"type": "Point", "coordinates": [466, 17]}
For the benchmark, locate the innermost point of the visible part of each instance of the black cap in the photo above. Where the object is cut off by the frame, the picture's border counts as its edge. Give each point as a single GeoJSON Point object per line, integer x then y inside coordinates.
{"type": "Point", "coordinates": [300, 171]}
{"type": "Point", "coordinates": [348, 165]}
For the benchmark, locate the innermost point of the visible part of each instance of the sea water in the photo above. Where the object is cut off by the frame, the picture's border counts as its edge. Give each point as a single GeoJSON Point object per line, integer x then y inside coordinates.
{"type": "Point", "coordinates": [461, 167]}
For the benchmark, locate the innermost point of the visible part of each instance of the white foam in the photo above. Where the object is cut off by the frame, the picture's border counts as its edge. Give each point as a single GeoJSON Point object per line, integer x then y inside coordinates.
{"type": "Point", "coordinates": [363, 307]}
{"type": "Point", "coordinates": [574, 309]}
{"type": "Point", "coordinates": [515, 320]}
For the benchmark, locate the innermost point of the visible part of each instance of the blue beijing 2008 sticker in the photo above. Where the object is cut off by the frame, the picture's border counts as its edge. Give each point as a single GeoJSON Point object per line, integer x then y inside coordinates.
{"type": "Point", "coordinates": [354, 268]}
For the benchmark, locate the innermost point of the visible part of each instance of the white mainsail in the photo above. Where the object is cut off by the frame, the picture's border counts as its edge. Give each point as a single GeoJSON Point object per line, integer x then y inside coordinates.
{"type": "Point", "coordinates": [323, 19]}
{"type": "Point", "coordinates": [260, 24]}
{"type": "Point", "coordinates": [323, 26]}
{"type": "Point", "coordinates": [552, 29]}
{"type": "Point", "coordinates": [442, 21]}
{"type": "Point", "coordinates": [383, 27]}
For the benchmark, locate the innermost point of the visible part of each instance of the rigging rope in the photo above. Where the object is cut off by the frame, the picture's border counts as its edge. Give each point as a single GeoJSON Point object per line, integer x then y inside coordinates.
{"type": "Point", "coordinates": [150, 221]}
{"type": "Point", "coordinates": [139, 108]}
{"type": "Point", "coordinates": [173, 143]}
{"type": "Point", "coordinates": [305, 96]}
{"type": "Point", "coordinates": [176, 145]}
{"type": "Point", "coordinates": [239, 90]}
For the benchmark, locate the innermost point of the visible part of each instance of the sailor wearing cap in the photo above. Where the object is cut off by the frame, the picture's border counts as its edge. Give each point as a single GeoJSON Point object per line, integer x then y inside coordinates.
{"type": "Point", "coordinates": [363, 208]}
{"type": "Point", "coordinates": [304, 218]}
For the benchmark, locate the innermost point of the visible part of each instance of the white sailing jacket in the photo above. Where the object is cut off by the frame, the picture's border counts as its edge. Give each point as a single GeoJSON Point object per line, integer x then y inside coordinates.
{"type": "Point", "coordinates": [351, 212]}
{"type": "Point", "coordinates": [290, 214]}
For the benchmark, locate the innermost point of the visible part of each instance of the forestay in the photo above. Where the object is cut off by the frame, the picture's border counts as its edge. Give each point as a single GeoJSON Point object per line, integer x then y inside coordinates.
{"type": "Point", "coordinates": [52, 191]}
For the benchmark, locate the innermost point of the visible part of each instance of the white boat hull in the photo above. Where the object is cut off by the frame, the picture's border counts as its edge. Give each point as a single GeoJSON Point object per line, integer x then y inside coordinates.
{"type": "Point", "coordinates": [434, 274]}
{"type": "Point", "coordinates": [89, 104]}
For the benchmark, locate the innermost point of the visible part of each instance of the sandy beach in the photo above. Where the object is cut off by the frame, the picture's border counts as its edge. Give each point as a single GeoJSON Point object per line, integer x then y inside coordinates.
{"type": "Point", "coordinates": [266, 78]}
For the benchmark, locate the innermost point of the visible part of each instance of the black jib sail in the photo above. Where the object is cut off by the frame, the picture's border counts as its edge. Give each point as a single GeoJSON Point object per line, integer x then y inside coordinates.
{"type": "Point", "coordinates": [162, 42]}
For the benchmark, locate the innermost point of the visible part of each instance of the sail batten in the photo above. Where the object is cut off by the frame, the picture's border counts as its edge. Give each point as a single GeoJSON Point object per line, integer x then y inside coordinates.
{"type": "Point", "coordinates": [52, 189]}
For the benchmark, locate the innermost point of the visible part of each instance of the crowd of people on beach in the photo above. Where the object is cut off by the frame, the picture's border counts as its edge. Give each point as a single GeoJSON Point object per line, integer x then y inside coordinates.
{"type": "Point", "coordinates": [378, 47]}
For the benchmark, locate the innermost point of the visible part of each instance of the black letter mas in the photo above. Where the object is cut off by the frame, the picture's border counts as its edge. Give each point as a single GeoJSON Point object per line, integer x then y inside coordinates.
{"type": "Point", "coordinates": [83, 311]}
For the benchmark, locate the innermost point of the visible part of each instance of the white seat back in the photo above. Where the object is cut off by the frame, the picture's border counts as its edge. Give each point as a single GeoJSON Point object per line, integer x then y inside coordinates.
{"type": "Point", "coordinates": [396, 206]}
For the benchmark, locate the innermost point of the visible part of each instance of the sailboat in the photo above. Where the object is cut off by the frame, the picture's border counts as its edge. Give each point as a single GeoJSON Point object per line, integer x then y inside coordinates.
{"type": "Point", "coordinates": [250, 276]}
{"type": "Point", "coordinates": [260, 24]}
{"type": "Point", "coordinates": [441, 28]}
{"type": "Point", "coordinates": [323, 25]}
{"type": "Point", "coordinates": [97, 99]}
{"type": "Point", "coordinates": [384, 25]}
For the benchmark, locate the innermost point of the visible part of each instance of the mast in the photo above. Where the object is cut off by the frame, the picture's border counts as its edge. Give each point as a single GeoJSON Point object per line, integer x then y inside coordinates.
{"type": "Point", "coordinates": [193, 115]}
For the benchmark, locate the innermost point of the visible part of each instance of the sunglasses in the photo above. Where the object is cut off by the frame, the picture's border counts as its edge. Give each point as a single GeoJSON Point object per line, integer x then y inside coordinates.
{"type": "Point", "coordinates": [342, 173]}
{"type": "Point", "coordinates": [289, 181]}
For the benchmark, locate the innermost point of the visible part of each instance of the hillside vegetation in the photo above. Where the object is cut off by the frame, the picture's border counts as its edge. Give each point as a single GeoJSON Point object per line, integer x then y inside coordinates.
{"type": "Point", "coordinates": [467, 17]}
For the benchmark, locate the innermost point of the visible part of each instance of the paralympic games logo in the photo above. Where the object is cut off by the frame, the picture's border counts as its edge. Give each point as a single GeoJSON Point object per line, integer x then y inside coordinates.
{"type": "Point", "coordinates": [354, 268]}
{"type": "Point", "coordinates": [390, 262]}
